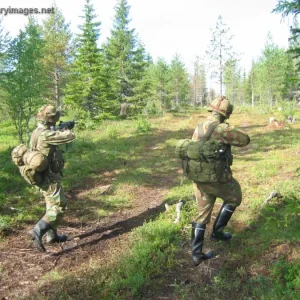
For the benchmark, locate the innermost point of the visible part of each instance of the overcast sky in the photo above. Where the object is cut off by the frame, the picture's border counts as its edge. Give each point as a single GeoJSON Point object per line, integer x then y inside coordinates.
{"type": "Point", "coordinates": [167, 27]}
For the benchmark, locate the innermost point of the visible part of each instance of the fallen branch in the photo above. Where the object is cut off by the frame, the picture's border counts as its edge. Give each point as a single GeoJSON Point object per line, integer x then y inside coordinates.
{"type": "Point", "coordinates": [178, 210]}
{"type": "Point", "coordinates": [272, 195]}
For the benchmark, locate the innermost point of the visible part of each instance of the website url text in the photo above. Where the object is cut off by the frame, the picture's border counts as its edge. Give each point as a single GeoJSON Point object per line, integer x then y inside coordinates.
{"type": "Point", "coordinates": [26, 11]}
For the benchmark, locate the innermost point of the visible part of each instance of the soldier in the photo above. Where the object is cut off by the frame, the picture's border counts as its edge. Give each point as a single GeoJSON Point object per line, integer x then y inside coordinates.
{"type": "Point", "coordinates": [216, 179]}
{"type": "Point", "coordinates": [46, 140]}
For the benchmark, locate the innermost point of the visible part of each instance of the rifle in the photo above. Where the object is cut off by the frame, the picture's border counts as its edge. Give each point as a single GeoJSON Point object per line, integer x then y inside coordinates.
{"type": "Point", "coordinates": [65, 125]}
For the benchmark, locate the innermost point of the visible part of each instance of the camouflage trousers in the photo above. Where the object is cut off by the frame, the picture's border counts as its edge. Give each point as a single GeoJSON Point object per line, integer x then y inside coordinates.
{"type": "Point", "coordinates": [55, 199]}
{"type": "Point", "coordinates": [206, 194]}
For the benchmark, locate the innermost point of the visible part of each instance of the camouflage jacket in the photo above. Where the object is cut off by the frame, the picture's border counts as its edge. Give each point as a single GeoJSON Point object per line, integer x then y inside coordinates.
{"type": "Point", "coordinates": [224, 133]}
{"type": "Point", "coordinates": [44, 139]}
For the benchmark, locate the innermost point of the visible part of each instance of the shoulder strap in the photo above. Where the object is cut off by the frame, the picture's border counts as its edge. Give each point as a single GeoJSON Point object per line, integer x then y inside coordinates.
{"type": "Point", "coordinates": [35, 136]}
{"type": "Point", "coordinates": [205, 137]}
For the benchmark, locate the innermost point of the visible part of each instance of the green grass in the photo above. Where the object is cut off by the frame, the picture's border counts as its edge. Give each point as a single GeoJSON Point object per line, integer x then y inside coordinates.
{"type": "Point", "coordinates": [253, 266]}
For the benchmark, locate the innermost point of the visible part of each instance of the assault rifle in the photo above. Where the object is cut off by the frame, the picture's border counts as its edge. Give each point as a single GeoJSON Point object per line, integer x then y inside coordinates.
{"type": "Point", "coordinates": [65, 125]}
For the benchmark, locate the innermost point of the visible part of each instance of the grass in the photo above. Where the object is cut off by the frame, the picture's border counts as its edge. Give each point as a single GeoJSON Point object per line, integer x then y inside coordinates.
{"type": "Point", "coordinates": [262, 262]}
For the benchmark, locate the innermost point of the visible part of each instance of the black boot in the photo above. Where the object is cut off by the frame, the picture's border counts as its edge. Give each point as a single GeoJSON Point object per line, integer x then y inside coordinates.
{"type": "Point", "coordinates": [38, 231]}
{"type": "Point", "coordinates": [221, 221]}
{"type": "Point", "coordinates": [53, 237]}
{"type": "Point", "coordinates": [198, 231]}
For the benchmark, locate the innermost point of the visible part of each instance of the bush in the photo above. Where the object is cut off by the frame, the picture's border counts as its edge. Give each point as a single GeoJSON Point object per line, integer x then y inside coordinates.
{"type": "Point", "coordinates": [142, 125]}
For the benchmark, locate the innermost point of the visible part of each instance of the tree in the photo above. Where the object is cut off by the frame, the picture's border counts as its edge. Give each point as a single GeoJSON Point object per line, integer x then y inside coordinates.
{"type": "Point", "coordinates": [161, 82]}
{"type": "Point", "coordinates": [24, 77]}
{"type": "Point", "coordinates": [179, 82]}
{"type": "Point", "coordinates": [199, 88]}
{"type": "Point", "coordinates": [140, 80]}
{"type": "Point", "coordinates": [56, 56]}
{"type": "Point", "coordinates": [232, 80]}
{"type": "Point", "coordinates": [87, 82]}
{"type": "Point", "coordinates": [126, 58]}
{"type": "Point", "coordinates": [286, 8]}
{"type": "Point", "coordinates": [4, 41]}
{"type": "Point", "coordinates": [271, 73]}
{"type": "Point", "coordinates": [219, 51]}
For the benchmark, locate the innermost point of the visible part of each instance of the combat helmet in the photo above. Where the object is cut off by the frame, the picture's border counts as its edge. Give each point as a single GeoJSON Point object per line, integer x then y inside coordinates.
{"type": "Point", "coordinates": [48, 114]}
{"type": "Point", "coordinates": [222, 106]}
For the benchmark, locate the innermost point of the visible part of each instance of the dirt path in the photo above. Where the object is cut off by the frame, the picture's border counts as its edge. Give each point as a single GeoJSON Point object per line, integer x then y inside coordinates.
{"type": "Point", "coordinates": [22, 266]}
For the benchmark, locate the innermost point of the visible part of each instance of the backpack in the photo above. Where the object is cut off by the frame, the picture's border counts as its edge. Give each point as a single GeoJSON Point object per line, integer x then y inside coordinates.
{"type": "Point", "coordinates": [18, 153]}
{"type": "Point", "coordinates": [31, 162]}
{"type": "Point", "coordinates": [202, 161]}
{"type": "Point", "coordinates": [32, 176]}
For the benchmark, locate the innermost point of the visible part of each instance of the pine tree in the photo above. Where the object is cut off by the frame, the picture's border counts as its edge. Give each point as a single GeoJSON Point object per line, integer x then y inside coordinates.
{"type": "Point", "coordinates": [271, 72]}
{"type": "Point", "coordinates": [126, 58]}
{"type": "Point", "coordinates": [141, 83]}
{"type": "Point", "coordinates": [219, 51]}
{"type": "Point", "coordinates": [24, 78]}
{"type": "Point", "coordinates": [161, 80]}
{"type": "Point", "coordinates": [199, 88]}
{"type": "Point", "coordinates": [57, 50]}
{"type": "Point", "coordinates": [86, 83]}
{"type": "Point", "coordinates": [232, 80]}
{"type": "Point", "coordinates": [4, 41]}
{"type": "Point", "coordinates": [179, 82]}
{"type": "Point", "coordinates": [287, 8]}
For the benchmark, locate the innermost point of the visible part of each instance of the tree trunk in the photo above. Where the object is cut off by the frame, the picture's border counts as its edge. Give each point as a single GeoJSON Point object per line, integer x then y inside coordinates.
{"type": "Point", "coordinates": [56, 90]}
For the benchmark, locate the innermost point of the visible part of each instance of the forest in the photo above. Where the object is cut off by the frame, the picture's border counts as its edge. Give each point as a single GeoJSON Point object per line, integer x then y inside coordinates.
{"type": "Point", "coordinates": [122, 179]}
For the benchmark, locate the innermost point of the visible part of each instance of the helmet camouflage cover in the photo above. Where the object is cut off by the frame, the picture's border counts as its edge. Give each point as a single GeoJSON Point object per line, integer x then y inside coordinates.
{"type": "Point", "coordinates": [48, 113]}
{"type": "Point", "coordinates": [222, 106]}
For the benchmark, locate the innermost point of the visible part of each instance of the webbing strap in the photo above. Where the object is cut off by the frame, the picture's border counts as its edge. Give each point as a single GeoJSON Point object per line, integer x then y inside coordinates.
{"type": "Point", "coordinates": [205, 137]}
{"type": "Point", "coordinates": [35, 136]}
{"type": "Point", "coordinates": [209, 131]}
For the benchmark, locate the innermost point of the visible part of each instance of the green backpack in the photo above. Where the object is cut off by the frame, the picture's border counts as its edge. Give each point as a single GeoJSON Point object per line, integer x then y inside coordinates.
{"type": "Point", "coordinates": [201, 160]}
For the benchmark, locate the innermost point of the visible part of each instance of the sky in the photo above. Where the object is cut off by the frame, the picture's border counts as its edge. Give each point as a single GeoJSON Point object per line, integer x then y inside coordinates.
{"type": "Point", "coordinates": [169, 27]}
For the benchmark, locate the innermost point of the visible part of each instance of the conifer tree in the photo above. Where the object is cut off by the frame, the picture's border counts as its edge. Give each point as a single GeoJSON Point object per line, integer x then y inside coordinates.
{"type": "Point", "coordinates": [126, 58]}
{"type": "Point", "coordinates": [219, 51]}
{"type": "Point", "coordinates": [24, 78]}
{"type": "Point", "coordinates": [57, 51]}
{"type": "Point", "coordinates": [86, 83]}
{"type": "Point", "coordinates": [4, 41]}
{"type": "Point", "coordinates": [199, 88]}
{"type": "Point", "coordinates": [179, 82]}
{"type": "Point", "coordinates": [161, 82]}
{"type": "Point", "coordinates": [287, 8]}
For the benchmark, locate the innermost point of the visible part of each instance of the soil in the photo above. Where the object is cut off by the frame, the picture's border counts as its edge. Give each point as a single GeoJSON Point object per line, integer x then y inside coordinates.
{"type": "Point", "coordinates": [21, 265]}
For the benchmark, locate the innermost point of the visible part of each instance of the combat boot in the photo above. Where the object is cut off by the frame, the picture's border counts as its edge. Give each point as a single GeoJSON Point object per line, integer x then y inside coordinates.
{"type": "Point", "coordinates": [38, 231]}
{"type": "Point", "coordinates": [53, 237]}
{"type": "Point", "coordinates": [221, 221]}
{"type": "Point", "coordinates": [197, 239]}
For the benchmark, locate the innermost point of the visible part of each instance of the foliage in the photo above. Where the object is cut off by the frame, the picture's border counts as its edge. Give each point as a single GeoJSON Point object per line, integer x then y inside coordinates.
{"type": "Point", "coordinates": [23, 78]}
{"type": "Point", "coordinates": [179, 82]}
{"type": "Point", "coordinates": [286, 8]}
{"type": "Point", "coordinates": [219, 51]}
{"type": "Point", "coordinates": [158, 250]}
{"type": "Point", "coordinates": [126, 60]}
{"type": "Point", "coordinates": [199, 86]}
{"type": "Point", "coordinates": [86, 85]}
{"type": "Point", "coordinates": [271, 74]}
{"type": "Point", "coordinates": [142, 125]}
{"type": "Point", "coordinates": [56, 55]}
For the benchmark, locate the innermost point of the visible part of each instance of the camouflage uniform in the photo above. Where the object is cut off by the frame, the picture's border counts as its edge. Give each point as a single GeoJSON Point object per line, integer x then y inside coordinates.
{"type": "Point", "coordinates": [46, 140]}
{"type": "Point", "coordinates": [225, 187]}
{"type": "Point", "coordinates": [229, 189]}
{"type": "Point", "coordinates": [51, 188]}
